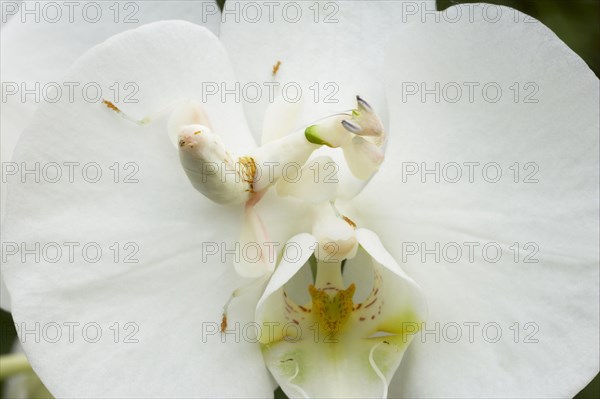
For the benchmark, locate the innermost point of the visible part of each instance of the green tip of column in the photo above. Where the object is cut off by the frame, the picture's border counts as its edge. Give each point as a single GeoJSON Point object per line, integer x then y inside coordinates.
{"type": "Point", "coordinates": [312, 136]}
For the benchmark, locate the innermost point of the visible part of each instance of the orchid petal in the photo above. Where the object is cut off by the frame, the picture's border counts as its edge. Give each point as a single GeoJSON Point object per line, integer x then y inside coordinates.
{"type": "Point", "coordinates": [281, 117]}
{"type": "Point", "coordinates": [298, 249]}
{"type": "Point", "coordinates": [543, 291]}
{"type": "Point", "coordinates": [163, 278]}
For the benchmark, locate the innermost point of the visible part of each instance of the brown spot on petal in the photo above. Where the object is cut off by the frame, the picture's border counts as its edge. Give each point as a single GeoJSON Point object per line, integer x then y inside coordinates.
{"type": "Point", "coordinates": [224, 323]}
{"type": "Point", "coordinates": [372, 302]}
{"type": "Point", "coordinates": [112, 106]}
{"type": "Point", "coordinates": [349, 221]}
{"type": "Point", "coordinates": [276, 67]}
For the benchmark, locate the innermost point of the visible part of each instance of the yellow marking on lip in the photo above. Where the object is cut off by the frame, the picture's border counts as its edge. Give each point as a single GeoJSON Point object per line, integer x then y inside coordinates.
{"type": "Point", "coordinates": [332, 313]}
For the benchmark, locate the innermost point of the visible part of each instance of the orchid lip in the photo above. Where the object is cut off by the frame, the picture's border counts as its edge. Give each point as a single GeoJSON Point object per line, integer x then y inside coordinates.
{"type": "Point", "coordinates": [339, 337]}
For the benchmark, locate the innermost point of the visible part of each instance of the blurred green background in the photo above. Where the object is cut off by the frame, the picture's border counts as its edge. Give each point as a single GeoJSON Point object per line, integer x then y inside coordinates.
{"type": "Point", "coordinates": [576, 22]}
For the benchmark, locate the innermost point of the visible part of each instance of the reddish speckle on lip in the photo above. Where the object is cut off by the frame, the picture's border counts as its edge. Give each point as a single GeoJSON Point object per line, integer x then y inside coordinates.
{"type": "Point", "coordinates": [224, 323]}
{"type": "Point", "coordinates": [374, 300]}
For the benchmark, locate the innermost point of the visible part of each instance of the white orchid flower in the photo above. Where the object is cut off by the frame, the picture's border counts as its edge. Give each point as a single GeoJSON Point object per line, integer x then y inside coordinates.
{"type": "Point", "coordinates": [159, 318]}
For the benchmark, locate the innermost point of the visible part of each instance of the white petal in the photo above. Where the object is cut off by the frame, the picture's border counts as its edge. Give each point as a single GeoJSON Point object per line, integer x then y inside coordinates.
{"type": "Point", "coordinates": [175, 293]}
{"type": "Point", "coordinates": [299, 249]}
{"type": "Point", "coordinates": [558, 295]}
{"type": "Point", "coordinates": [412, 297]}
{"type": "Point", "coordinates": [330, 60]}
{"type": "Point", "coordinates": [38, 46]}
{"type": "Point", "coordinates": [280, 118]}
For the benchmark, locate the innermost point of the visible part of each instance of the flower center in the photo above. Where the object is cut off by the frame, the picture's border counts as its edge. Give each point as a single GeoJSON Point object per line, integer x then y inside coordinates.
{"type": "Point", "coordinates": [332, 312]}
